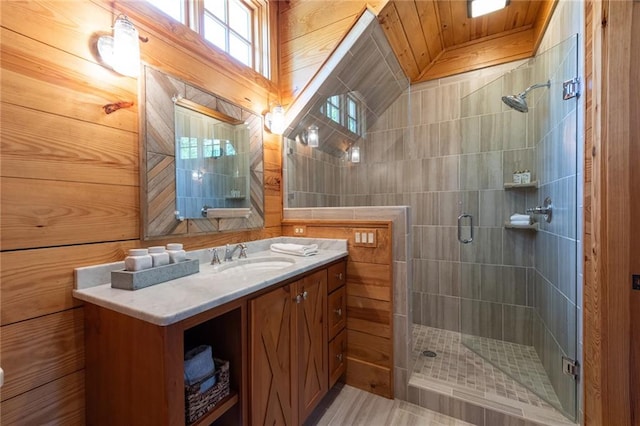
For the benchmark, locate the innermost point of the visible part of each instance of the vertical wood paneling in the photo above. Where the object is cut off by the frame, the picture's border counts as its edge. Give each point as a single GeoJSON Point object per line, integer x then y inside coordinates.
{"type": "Point", "coordinates": [634, 159]}
{"type": "Point", "coordinates": [609, 397]}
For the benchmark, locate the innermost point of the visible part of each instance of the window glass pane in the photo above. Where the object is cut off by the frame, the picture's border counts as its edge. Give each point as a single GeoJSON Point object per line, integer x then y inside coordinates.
{"type": "Point", "coordinates": [215, 32]}
{"type": "Point", "coordinates": [239, 49]}
{"type": "Point", "coordinates": [172, 8]}
{"type": "Point", "coordinates": [239, 19]}
{"type": "Point", "coordinates": [353, 125]}
{"type": "Point", "coordinates": [217, 8]}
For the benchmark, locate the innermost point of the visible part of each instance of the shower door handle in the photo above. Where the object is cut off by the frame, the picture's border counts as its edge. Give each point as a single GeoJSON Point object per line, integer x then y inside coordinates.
{"type": "Point", "coordinates": [463, 216]}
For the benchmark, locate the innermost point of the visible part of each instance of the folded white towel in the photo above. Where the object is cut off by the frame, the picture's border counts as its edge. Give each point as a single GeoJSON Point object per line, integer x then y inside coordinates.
{"type": "Point", "coordinates": [520, 217]}
{"type": "Point", "coordinates": [520, 222]}
{"type": "Point", "coordinates": [295, 249]}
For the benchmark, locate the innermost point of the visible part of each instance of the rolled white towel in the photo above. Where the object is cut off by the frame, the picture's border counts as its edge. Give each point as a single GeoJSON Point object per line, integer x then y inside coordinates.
{"type": "Point", "coordinates": [295, 249]}
{"type": "Point", "coordinates": [520, 217]}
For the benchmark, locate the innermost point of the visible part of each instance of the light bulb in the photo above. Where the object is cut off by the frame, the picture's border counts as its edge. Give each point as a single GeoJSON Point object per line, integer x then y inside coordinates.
{"type": "Point", "coordinates": [312, 136]}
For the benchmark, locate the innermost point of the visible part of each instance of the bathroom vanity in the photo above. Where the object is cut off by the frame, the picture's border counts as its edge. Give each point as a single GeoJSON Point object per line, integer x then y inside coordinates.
{"type": "Point", "coordinates": [271, 325]}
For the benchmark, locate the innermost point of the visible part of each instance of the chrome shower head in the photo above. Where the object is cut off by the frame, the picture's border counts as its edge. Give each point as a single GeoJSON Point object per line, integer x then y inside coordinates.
{"type": "Point", "coordinates": [519, 101]}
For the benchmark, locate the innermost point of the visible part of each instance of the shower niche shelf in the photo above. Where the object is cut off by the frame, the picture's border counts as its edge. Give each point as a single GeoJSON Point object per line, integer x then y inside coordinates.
{"type": "Point", "coordinates": [532, 227]}
{"type": "Point", "coordinates": [530, 185]}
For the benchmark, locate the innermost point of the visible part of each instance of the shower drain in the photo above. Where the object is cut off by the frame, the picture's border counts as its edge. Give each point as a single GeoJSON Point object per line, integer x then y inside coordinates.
{"type": "Point", "coordinates": [430, 354]}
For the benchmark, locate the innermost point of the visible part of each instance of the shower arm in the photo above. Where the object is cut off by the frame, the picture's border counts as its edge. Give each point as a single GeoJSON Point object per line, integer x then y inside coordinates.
{"type": "Point", "coordinates": [535, 86]}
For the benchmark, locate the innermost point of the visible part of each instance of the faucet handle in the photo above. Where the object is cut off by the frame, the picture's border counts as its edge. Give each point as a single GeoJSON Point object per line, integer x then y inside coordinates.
{"type": "Point", "coordinates": [215, 259]}
{"type": "Point", "coordinates": [243, 251]}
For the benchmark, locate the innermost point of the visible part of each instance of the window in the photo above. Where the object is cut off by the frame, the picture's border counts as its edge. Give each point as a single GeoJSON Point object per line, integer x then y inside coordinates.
{"type": "Point", "coordinates": [346, 110]}
{"type": "Point", "coordinates": [238, 27]}
{"type": "Point", "coordinates": [188, 148]}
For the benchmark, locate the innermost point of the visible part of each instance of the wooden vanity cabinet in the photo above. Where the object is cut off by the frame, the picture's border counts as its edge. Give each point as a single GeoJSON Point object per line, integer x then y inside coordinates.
{"type": "Point", "coordinates": [134, 370]}
{"type": "Point", "coordinates": [288, 351]}
{"type": "Point", "coordinates": [337, 315]}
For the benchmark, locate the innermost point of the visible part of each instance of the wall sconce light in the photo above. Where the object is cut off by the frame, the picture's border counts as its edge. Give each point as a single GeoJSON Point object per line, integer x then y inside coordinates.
{"type": "Point", "coordinates": [122, 51]}
{"type": "Point", "coordinates": [354, 154]}
{"type": "Point", "coordinates": [312, 136]}
{"type": "Point", "coordinates": [274, 120]}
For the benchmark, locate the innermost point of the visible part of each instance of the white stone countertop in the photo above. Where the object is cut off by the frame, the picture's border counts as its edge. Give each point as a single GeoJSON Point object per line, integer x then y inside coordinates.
{"type": "Point", "coordinates": [172, 301]}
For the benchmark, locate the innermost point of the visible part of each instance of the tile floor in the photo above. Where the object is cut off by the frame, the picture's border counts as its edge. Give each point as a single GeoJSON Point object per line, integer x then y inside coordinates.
{"type": "Point", "coordinates": [459, 371]}
{"type": "Point", "coordinates": [456, 364]}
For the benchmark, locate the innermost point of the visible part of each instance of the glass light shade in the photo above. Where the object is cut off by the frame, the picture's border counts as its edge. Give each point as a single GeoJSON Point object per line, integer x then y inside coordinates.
{"type": "Point", "coordinates": [126, 48]}
{"type": "Point", "coordinates": [355, 154]}
{"type": "Point", "coordinates": [275, 120]}
{"type": "Point", "coordinates": [483, 7]}
{"type": "Point", "coordinates": [312, 136]}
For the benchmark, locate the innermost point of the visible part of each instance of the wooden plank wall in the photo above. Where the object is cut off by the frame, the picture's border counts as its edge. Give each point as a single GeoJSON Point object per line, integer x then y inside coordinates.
{"type": "Point", "coordinates": [70, 182]}
{"type": "Point", "coordinates": [309, 30]}
{"type": "Point", "coordinates": [610, 205]}
{"type": "Point", "coordinates": [369, 302]}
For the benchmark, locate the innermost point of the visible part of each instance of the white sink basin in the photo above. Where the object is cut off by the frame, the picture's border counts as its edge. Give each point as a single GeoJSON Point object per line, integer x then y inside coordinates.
{"type": "Point", "coordinates": [257, 264]}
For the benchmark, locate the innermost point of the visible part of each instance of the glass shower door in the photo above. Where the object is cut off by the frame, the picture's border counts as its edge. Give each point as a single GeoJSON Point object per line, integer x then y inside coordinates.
{"type": "Point", "coordinates": [519, 309]}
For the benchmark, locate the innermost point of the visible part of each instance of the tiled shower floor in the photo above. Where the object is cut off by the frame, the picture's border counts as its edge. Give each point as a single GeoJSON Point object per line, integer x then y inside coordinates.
{"type": "Point", "coordinates": [458, 367]}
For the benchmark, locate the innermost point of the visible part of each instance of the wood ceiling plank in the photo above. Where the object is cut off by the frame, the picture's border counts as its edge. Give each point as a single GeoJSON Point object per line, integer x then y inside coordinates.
{"type": "Point", "coordinates": [394, 31]}
{"type": "Point", "coordinates": [542, 20]}
{"type": "Point", "coordinates": [497, 21]}
{"type": "Point", "coordinates": [430, 26]}
{"type": "Point", "coordinates": [410, 20]}
{"type": "Point", "coordinates": [532, 11]}
{"type": "Point", "coordinates": [460, 23]}
{"type": "Point", "coordinates": [474, 56]}
{"type": "Point", "coordinates": [517, 14]}
{"type": "Point", "coordinates": [446, 23]}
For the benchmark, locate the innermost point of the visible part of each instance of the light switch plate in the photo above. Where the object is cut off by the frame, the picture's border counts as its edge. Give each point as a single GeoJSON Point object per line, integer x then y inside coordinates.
{"type": "Point", "coordinates": [365, 237]}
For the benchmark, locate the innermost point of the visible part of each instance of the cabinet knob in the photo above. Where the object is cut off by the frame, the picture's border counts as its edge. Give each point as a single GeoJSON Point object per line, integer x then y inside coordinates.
{"type": "Point", "coordinates": [305, 295]}
{"type": "Point", "coordinates": [339, 356]}
{"type": "Point", "coordinates": [298, 298]}
{"type": "Point", "coordinates": [338, 312]}
{"type": "Point", "coordinates": [339, 276]}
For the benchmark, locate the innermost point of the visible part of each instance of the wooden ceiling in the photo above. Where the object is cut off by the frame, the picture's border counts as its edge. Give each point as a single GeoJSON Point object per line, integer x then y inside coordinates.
{"type": "Point", "coordinates": [435, 38]}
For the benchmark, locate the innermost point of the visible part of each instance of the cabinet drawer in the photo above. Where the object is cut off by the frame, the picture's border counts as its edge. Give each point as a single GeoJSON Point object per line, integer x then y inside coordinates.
{"type": "Point", "coordinates": [337, 357]}
{"type": "Point", "coordinates": [337, 311]}
{"type": "Point", "coordinates": [337, 276]}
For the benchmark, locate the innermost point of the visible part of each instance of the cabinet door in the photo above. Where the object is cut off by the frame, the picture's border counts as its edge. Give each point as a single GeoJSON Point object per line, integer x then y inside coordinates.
{"type": "Point", "coordinates": [312, 341]}
{"type": "Point", "coordinates": [272, 401]}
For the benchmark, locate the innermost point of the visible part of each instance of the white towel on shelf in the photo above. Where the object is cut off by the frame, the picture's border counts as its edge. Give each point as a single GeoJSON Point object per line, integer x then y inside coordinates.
{"type": "Point", "coordinates": [295, 249]}
{"type": "Point", "coordinates": [520, 222]}
{"type": "Point", "coordinates": [520, 217]}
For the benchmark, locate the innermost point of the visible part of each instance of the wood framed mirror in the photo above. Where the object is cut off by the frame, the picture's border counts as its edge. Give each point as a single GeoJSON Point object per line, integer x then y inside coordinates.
{"type": "Point", "coordinates": [201, 161]}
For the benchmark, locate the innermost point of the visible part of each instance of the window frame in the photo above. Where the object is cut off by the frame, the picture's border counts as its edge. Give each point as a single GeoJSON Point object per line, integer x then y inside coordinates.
{"type": "Point", "coordinates": [193, 12]}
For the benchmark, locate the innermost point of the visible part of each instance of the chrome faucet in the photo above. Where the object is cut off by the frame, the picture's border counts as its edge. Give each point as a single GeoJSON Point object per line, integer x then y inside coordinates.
{"type": "Point", "coordinates": [228, 253]}
{"type": "Point", "coordinates": [215, 259]}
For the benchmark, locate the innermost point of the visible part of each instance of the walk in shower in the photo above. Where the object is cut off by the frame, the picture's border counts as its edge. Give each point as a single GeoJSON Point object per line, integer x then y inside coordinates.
{"type": "Point", "coordinates": [494, 317]}
{"type": "Point", "coordinates": [500, 309]}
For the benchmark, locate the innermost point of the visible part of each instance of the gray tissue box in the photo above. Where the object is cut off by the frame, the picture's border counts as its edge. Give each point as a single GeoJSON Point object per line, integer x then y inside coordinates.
{"type": "Point", "coordinates": [134, 280]}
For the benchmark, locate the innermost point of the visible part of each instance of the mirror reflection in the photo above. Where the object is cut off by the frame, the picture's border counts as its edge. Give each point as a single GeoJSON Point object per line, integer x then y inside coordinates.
{"type": "Point", "coordinates": [212, 163]}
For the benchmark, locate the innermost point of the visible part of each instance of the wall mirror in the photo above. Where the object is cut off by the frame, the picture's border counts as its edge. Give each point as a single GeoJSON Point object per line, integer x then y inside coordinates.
{"type": "Point", "coordinates": [202, 165]}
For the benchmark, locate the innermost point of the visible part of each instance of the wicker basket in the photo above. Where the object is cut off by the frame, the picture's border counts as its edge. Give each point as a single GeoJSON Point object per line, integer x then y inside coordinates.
{"type": "Point", "coordinates": [197, 403]}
